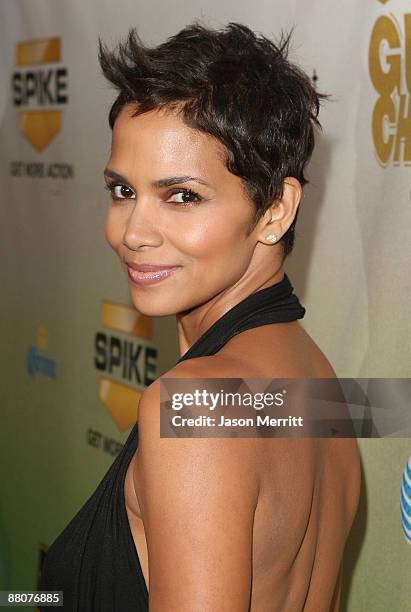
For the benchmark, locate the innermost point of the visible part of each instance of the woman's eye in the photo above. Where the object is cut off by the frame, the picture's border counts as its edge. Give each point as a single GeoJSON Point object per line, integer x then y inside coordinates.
{"type": "Point", "coordinates": [121, 192]}
{"type": "Point", "coordinates": [186, 197]}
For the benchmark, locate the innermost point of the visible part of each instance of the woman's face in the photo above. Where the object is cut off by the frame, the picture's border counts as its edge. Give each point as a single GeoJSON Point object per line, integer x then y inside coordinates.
{"type": "Point", "coordinates": [163, 217]}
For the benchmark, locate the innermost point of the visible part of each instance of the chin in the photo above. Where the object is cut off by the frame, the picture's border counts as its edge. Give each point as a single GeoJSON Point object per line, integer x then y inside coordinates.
{"type": "Point", "coordinates": [152, 306]}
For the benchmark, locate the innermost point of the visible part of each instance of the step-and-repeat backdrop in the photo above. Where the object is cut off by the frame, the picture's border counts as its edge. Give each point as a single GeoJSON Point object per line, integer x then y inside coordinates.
{"type": "Point", "coordinates": [76, 355]}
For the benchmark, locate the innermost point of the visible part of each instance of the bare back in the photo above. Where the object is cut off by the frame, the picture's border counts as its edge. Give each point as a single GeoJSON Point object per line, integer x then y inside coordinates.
{"type": "Point", "coordinates": [309, 486]}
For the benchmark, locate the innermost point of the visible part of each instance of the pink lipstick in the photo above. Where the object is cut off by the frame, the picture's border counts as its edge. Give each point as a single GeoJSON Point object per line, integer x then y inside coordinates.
{"type": "Point", "coordinates": [148, 274]}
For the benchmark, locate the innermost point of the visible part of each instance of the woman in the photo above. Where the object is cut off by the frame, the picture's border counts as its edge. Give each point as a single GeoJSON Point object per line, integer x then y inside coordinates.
{"type": "Point", "coordinates": [212, 131]}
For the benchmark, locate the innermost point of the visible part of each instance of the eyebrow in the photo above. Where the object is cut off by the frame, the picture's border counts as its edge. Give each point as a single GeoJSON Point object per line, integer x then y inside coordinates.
{"type": "Point", "coordinates": [165, 182]}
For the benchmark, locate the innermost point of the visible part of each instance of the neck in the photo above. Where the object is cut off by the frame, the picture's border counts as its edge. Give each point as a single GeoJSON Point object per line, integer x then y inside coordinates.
{"type": "Point", "coordinates": [191, 324]}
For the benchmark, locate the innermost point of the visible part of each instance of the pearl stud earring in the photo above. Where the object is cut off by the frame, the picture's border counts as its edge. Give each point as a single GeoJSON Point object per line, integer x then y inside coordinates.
{"type": "Point", "coordinates": [271, 237]}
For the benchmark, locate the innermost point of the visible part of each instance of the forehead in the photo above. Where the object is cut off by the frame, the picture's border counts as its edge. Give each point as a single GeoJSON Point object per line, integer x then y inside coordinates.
{"type": "Point", "coordinates": [160, 138]}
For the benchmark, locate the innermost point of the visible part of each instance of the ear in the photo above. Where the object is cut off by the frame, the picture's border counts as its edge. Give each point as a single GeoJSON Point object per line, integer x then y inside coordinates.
{"type": "Point", "coordinates": [278, 218]}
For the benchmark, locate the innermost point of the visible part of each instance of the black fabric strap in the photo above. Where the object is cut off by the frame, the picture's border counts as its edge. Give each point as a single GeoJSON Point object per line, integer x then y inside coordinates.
{"type": "Point", "coordinates": [275, 304]}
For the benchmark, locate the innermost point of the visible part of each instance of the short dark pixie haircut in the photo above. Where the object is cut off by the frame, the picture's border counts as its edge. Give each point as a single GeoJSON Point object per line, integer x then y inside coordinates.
{"type": "Point", "coordinates": [233, 85]}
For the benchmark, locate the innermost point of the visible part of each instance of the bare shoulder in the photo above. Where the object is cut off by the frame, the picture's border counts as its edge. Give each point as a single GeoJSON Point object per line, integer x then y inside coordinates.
{"type": "Point", "coordinates": [278, 350]}
{"type": "Point", "coordinates": [207, 367]}
{"type": "Point", "coordinates": [213, 366]}
{"type": "Point", "coordinates": [189, 491]}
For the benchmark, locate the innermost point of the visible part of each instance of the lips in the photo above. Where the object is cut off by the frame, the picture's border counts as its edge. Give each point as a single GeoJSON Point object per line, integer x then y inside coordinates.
{"type": "Point", "coordinates": [149, 274]}
{"type": "Point", "coordinates": [148, 267]}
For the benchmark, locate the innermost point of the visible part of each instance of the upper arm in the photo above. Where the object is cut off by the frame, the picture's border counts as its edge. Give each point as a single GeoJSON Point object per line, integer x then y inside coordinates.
{"type": "Point", "coordinates": [197, 497]}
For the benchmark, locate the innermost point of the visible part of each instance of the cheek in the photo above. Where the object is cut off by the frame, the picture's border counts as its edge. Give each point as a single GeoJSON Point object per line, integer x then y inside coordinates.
{"type": "Point", "coordinates": [217, 239]}
{"type": "Point", "coordinates": [113, 228]}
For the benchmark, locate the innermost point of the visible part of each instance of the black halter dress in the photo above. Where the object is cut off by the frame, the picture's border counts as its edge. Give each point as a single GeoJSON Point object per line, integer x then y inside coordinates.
{"type": "Point", "coordinates": [94, 560]}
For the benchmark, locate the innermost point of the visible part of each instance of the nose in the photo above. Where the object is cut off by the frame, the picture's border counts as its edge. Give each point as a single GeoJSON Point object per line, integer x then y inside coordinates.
{"type": "Point", "coordinates": [142, 227]}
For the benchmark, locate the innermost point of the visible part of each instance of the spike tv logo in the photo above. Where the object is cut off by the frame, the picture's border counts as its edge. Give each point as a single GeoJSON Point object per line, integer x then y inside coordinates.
{"type": "Point", "coordinates": [389, 61]}
{"type": "Point", "coordinates": [126, 359]}
{"type": "Point", "coordinates": [40, 92]}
